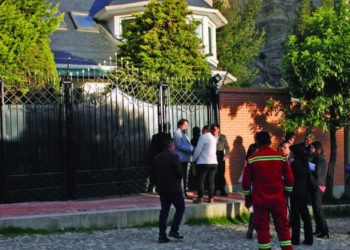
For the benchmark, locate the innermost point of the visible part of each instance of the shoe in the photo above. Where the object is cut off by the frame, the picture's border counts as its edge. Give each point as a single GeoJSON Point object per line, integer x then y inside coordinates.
{"type": "Point", "coordinates": [250, 234]}
{"type": "Point", "coordinates": [323, 236]}
{"type": "Point", "coordinates": [211, 200]}
{"type": "Point", "coordinates": [316, 233]}
{"type": "Point", "coordinates": [198, 200]}
{"type": "Point", "coordinates": [163, 239]}
{"type": "Point", "coordinates": [307, 242]}
{"type": "Point", "coordinates": [176, 235]}
{"type": "Point", "coordinates": [295, 243]}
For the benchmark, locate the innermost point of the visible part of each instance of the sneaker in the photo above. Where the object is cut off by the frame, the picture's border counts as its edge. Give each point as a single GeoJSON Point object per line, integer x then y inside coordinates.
{"type": "Point", "coordinates": [249, 234]}
{"type": "Point", "coordinates": [163, 239]}
{"type": "Point", "coordinates": [175, 235]}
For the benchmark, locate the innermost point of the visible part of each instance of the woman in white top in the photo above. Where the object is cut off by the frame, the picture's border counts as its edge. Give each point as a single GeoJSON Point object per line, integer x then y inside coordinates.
{"type": "Point", "coordinates": [206, 160]}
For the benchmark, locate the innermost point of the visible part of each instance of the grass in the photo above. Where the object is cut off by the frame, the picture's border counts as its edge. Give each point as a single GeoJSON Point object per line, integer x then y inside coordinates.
{"type": "Point", "coordinates": [15, 231]}
{"type": "Point", "coordinates": [214, 221]}
{"type": "Point", "coordinates": [336, 212]}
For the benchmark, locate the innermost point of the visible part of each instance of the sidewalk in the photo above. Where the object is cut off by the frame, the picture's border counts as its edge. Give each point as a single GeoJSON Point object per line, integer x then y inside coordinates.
{"type": "Point", "coordinates": [106, 213]}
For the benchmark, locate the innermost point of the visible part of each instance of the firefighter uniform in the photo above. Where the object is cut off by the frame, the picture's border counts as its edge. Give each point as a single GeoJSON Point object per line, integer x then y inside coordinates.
{"type": "Point", "coordinates": [267, 181]}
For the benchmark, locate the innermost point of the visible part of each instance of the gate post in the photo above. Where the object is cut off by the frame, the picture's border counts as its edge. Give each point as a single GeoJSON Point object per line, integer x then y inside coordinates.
{"type": "Point", "coordinates": [2, 156]}
{"type": "Point", "coordinates": [163, 103]}
{"type": "Point", "coordinates": [68, 114]}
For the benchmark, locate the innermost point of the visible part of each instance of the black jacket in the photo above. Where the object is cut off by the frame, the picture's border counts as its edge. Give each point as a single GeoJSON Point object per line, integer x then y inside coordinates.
{"type": "Point", "coordinates": [320, 169]}
{"type": "Point", "coordinates": [169, 173]}
{"type": "Point", "coordinates": [301, 174]}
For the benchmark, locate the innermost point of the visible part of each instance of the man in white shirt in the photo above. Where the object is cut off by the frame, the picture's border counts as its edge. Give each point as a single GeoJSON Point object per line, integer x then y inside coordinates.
{"type": "Point", "coordinates": [206, 160]}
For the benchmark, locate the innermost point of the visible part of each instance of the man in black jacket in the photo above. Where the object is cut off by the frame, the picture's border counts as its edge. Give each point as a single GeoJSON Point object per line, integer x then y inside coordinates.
{"type": "Point", "coordinates": [169, 174]}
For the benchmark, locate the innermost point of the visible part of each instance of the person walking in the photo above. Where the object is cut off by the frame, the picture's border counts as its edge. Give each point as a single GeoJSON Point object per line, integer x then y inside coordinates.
{"type": "Point", "coordinates": [154, 149]}
{"type": "Point", "coordinates": [222, 153]}
{"type": "Point", "coordinates": [267, 182]}
{"type": "Point", "coordinates": [319, 175]}
{"type": "Point", "coordinates": [184, 149]}
{"type": "Point", "coordinates": [169, 174]}
{"type": "Point", "coordinates": [205, 157]}
{"type": "Point", "coordinates": [300, 196]}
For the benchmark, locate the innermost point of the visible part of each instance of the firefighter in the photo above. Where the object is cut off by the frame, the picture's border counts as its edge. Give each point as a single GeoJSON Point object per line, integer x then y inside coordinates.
{"type": "Point", "coordinates": [267, 183]}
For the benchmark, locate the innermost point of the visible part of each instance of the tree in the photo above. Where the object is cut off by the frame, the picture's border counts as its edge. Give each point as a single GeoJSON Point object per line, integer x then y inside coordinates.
{"type": "Point", "coordinates": [316, 66]}
{"type": "Point", "coordinates": [25, 27]}
{"type": "Point", "coordinates": [161, 42]}
{"type": "Point", "coordinates": [240, 41]}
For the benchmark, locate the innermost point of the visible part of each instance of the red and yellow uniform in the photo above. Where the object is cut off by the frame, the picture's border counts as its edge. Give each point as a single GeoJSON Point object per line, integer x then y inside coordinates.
{"type": "Point", "coordinates": [267, 181]}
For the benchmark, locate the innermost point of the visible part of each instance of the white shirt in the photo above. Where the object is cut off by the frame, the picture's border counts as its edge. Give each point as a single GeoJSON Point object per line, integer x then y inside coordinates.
{"type": "Point", "coordinates": [205, 152]}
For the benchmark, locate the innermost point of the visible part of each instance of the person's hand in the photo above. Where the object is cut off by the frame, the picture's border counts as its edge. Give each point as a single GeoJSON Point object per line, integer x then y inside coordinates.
{"type": "Point", "coordinates": [248, 201]}
{"type": "Point", "coordinates": [225, 158]}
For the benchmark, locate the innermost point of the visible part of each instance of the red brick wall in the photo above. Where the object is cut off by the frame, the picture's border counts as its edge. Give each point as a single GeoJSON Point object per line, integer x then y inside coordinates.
{"type": "Point", "coordinates": [244, 111]}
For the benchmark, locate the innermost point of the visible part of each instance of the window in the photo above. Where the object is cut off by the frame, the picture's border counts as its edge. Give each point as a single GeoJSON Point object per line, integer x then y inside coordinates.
{"type": "Point", "coordinates": [83, 21]}
{"type": "Point", "coordinates": [210, 40]}
{"type": "Point", "coordinates": [125, 25]}
{"type": "Point", "coordinates": [199, 31]}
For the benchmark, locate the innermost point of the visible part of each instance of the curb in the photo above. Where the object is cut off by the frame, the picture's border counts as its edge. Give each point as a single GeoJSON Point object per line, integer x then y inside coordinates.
{"type": "Point", "coordinates": [120, 218]}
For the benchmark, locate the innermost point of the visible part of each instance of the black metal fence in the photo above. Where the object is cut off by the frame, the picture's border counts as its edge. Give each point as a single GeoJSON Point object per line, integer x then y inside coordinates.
{"type": "Point", "coordinates": [88, 138]}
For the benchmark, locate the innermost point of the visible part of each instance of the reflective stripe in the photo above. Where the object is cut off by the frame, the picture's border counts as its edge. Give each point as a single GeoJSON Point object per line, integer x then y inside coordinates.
{"type": "Point", "coordinates": [266, 158]}
{"type": "Point", "coordinates": [289, 189]}
{"type": "Point", "coordinates": [285, 243]}
{"type": "Point", "coordinates": [264, 246]}
{"type": "Point", "coordinates": [246, 192]}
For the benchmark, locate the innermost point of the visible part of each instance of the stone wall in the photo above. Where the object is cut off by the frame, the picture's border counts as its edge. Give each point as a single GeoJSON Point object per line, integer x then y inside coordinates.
{"type": "Point", "coordinates": [277, 17]}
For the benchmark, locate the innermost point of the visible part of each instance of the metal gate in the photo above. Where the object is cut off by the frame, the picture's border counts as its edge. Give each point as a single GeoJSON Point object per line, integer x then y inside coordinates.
{"type": "Point", "coordinates": [88, 140]}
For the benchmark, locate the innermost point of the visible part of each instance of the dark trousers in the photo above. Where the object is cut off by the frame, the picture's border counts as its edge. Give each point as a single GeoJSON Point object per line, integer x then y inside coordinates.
{"type": "Point", "coordinates": [262, 225]}
{"type": "Point", "coordinates": [165, 202]}
{"type": "Point", "coordinates": [299, 209]}
{"type": "Point", "coordinates": [220, 177]}
{"type": "Point", "coordinates": [204, 170]}
{"type": "Point", "coordinates": [316, 202]}
{"type": "Point", "coordinates": [184, 170]}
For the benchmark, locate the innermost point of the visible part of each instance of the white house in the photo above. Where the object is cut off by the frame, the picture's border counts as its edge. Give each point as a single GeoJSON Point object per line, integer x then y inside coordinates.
{"type": "Point", "coordinates": [92, 30]}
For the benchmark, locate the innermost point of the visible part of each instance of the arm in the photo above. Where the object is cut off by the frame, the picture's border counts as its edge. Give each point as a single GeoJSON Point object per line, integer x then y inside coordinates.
{"type": "Point", "coordinates": [178, 142]}
{"type": "Point", "coordinates": [246, 184]}
{"type": "Point", "coordinates": [199, 148]}
{"type": "Point", "coordinates": [288, 178]}
{"type": "Point", "coordinates": [227, 147]}
{"type": "Point", "coordinates": [320, 168]}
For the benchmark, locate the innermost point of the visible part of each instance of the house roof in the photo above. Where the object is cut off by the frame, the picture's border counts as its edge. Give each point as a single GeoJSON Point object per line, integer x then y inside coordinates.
{"type": "Point", "coordinates": [100, 4]}
{"type": "Point", "coordinates": [83, 47]}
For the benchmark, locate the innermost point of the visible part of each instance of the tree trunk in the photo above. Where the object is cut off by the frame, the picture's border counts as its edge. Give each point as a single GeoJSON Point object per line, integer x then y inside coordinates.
{"type": "Point", "coordinates": [332, 161]}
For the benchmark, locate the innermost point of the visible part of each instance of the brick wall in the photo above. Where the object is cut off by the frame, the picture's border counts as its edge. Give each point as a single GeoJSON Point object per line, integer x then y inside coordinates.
{"type": "Point", "coordinates": [244, 111]}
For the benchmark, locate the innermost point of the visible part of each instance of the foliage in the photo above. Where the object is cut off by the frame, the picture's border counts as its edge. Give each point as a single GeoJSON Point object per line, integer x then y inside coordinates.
{"type": "Point", "coordinates": [240, 41]}
{"type": "Point", "coordinates": [316, 64]}
{"type": "Point", "coordinates": [25, 27]}
{"type": "Point", "coordinates": [161, 42]}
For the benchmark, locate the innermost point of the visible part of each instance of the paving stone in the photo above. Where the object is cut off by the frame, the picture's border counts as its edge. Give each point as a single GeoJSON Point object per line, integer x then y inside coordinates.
{"type": "Point", "coordinates": [196, 237]}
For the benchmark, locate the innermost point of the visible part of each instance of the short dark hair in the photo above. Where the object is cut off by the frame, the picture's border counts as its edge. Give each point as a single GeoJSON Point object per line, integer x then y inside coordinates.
{"type": "Point", "coordinates": [298, 151]}
{"type": "Point", "coordinates": [263, 138]}
{"type": "Point", "coordinates": [289, 136]}
{"type": "Point", "coordinates": [318, 146]}
{"type": "Point", "coordinates": [214, 125]}
{"type": "Point", "coordinates": [206, 127]}
{"type": "Point", "coordinates": [182, 121]}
